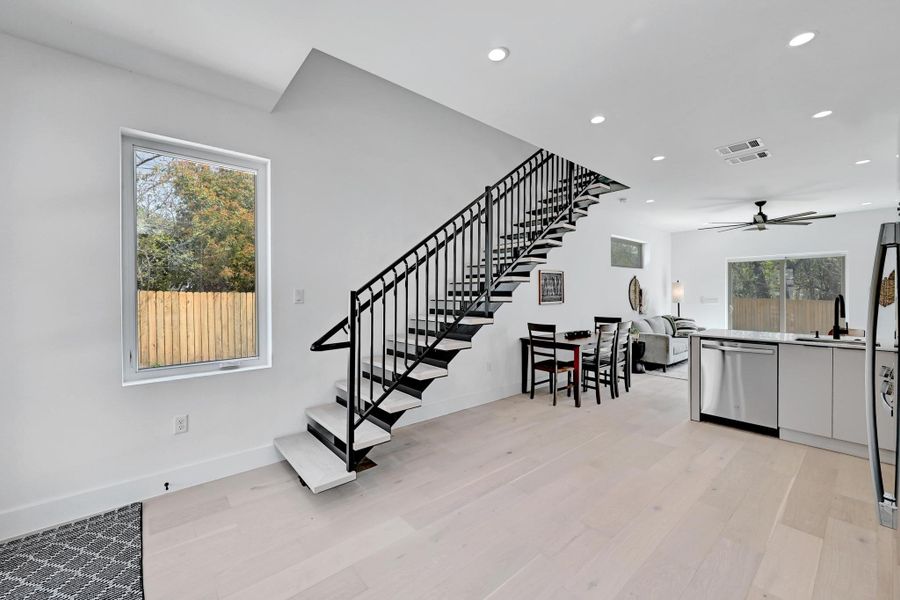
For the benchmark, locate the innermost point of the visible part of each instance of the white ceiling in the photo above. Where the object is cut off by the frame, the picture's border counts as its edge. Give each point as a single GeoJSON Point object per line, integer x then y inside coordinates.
{"type": "Point", "coordinates": [673, 78]}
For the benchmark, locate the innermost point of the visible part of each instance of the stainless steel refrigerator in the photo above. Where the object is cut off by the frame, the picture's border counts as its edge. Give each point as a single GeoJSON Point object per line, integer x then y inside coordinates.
{"type": "Point", "coordinates": [881, 403]}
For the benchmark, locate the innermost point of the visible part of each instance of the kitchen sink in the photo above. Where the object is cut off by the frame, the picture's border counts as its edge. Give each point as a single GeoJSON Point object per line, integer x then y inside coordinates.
{"type": "Point", "coordinates": [829, 340]}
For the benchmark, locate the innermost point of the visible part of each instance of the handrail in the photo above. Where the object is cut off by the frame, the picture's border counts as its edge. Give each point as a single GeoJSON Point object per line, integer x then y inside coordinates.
{"type": "Point", "coordinates": [320, 345]}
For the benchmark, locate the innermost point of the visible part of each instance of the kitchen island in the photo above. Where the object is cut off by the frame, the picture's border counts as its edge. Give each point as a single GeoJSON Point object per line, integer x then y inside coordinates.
{"type": "Point", "coordinates": [801, 388]}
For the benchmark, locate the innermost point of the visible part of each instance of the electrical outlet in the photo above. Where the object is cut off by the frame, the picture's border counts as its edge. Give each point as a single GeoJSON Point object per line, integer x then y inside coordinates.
{"type": "Point", "coordinates": [180, 424]}
{"type": "Point", "coordinates": [299, 296]}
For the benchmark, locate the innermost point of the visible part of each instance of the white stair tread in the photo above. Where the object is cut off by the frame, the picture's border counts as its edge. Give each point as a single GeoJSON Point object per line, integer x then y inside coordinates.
{"type": "Point", "coordinates": [445, 344]}
{"type": "Point", "coordinates": [516, 246]}
{"type": "Point", "coordinates": [450, 318]}
{"type": "Point", "coordinates": [505, 278]}
{"type": "Point", "coordinates": [421, 372]}
{"type": "Point", "coordinates": [530, 260]}
{"type": "Point", "coordinates": [454, 302]}
{"type": "Point", "coordinates": [547, 213]}
{"type": "Point", "coordinates": [333, 417]}
{"type": "Point", "coordinates": [319, 467]}
{"type": "Point", "coordinates": [394, 403]}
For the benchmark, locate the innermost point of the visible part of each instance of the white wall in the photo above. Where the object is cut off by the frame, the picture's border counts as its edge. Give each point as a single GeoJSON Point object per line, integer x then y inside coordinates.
{"type": "Point", "coordinates": [699, 259]}
{"type": "Point", "coordinates": [350, 153]}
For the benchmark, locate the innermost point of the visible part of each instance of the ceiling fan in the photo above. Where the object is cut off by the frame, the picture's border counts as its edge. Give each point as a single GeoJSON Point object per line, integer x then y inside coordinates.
{"type": "Point", "coordinates": [761, 220]}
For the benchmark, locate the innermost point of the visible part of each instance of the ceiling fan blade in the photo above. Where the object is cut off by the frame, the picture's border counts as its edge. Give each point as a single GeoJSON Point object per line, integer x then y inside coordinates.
{"type": "Point", "coordinates": [817, 217]}
{"type": "Point", "coordinates": [726, 222]}
{"type": "Point", "coordinates": [789, 223]}
{"type": "Point", "coordinates": [803, 214]}
{"type": "Point", "coordinates": [726, 227]}
{"type": "Point", "coordinates": [754, 228]}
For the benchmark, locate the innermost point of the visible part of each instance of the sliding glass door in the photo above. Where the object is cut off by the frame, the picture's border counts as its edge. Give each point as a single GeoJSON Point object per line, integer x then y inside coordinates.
{"type": "Point", "coordinates": [790, 294]}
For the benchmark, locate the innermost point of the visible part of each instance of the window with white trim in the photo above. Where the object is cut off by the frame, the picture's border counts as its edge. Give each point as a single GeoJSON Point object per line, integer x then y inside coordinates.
{"type": "Point", "coordinates": [195, 259]}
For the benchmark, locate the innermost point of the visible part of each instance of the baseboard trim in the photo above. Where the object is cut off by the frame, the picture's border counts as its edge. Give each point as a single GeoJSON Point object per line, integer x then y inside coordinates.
{"type": "Point", "coordinates": [21, 520]}
{"type": "Point", "coordinates": [433, 409]}
{"type": "Point", "coordinates": [817, 441]}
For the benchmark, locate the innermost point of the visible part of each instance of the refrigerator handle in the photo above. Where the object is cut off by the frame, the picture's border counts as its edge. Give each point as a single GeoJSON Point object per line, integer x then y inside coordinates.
{"type": "Point", "coordinates": [886, 503]}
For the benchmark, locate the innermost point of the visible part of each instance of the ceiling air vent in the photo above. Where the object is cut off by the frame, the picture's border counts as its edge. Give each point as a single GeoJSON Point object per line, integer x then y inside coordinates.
{"type": "Point", "coordinates": [739, 147]}
{"type": "Point", "coordinates": [736, 160]}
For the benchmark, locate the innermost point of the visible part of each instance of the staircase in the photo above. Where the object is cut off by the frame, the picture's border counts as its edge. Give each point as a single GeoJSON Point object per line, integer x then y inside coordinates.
{"type": "Point", "coordinates": [408, 322]}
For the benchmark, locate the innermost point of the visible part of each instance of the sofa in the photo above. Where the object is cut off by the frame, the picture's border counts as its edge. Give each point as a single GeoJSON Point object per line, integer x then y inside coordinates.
{"type": "Point", "coordinates": [662, 347]}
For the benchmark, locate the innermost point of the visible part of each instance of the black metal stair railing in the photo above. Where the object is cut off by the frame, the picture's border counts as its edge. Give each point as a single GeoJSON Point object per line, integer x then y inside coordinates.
{"type": "Point", "coordinates": [452, 274]}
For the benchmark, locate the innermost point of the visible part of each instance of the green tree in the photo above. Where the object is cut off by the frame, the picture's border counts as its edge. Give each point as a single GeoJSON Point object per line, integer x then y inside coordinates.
{"type": "Point", "coordinates": [195, 225]}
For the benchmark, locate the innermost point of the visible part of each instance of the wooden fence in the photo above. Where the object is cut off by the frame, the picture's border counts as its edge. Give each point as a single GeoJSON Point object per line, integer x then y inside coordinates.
{"type": "Point", "coordinates": [177, 328]}
{"type": "Point", "coordinates": [764, 314]}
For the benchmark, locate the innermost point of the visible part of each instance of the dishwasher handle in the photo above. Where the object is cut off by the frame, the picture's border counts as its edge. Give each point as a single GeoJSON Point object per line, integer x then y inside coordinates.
{"type": "Point", "coordinates": [740, 349]}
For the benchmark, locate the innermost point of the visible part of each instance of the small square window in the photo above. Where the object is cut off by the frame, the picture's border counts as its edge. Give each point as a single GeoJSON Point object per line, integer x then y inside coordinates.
{"type": "Point", "coordinates": [627, 253]}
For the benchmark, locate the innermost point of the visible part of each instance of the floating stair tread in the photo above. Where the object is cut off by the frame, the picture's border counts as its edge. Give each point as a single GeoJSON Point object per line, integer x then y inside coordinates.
{"type": "Point", "coordinates": [421, 372]}
{"type": "Point", "coordinates": [394, 403]}
{"type": "Point", "coordinates": [468, 320]}
{"type": "Point", "coordinates": [546, 223]}
{"type": "Point", "coordinates": [446, 344]}
{"type": "Point", "coordinates": [516, 246]}
{"type": "Point", "coordinates": [319, 467]}
{"type": "Point", "coordinates": [550, 214]}
{"type": "Point", "coordinates": [454, 303]}
{"type": "Point", "coordinates": [523, 278]}
{"type": "Point", "coordinates": [583, 200]}
{"type": "Point", "coordinates": [532, 260]}
{"type": "Point", "coordinates": [333, 417]}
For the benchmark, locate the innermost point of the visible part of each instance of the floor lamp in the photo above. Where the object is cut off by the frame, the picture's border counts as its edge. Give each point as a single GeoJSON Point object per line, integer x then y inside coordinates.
{"type": "Point", "coordinates": [678, 294]}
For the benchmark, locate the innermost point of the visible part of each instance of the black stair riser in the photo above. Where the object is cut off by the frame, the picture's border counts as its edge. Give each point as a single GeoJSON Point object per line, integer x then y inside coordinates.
{"type": "Point", "coordinates": [475, 312]}
{"type": "Point", "coordinates": [553, 235]}
{"type": "Point", "coordinates": [540, 225]}
{"type": "Point", "coordinates": [383, 419]}
{"type": "Point", "coordinates": [408, 385]}
{"type": "Point", "coordinates": [431, 358]}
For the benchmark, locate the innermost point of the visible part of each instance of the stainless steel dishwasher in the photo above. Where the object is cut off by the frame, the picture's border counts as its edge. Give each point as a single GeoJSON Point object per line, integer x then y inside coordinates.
{"type": "Point", "coordinates": [739, 383]}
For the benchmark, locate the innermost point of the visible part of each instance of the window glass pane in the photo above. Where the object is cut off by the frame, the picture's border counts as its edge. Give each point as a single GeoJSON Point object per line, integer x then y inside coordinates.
{"type": "Point", "coordinates": [195, 260]}
{"type": "Point", "coordinates": [755, 295]}
{"type": "Point", "coordinates": [627, 253]}
{"type": "Point", "coordinates": [811, 284]}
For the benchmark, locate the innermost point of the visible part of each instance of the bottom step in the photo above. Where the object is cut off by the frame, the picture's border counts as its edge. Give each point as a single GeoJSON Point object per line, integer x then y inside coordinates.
{"type": "Point", "coordinates": [319, 467]}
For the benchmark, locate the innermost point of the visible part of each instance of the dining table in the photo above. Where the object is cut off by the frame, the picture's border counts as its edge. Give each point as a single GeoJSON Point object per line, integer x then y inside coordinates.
{"type": "Point", "coordinates": [575, 345]}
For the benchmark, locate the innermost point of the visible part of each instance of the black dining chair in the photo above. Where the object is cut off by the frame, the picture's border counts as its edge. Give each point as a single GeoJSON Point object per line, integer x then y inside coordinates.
{"type": "Point", "coordinates": [598, 321]}
{"type": "Point", "coordinates": [542, 341]}
{"type": "Point", "coordinates": [597, 367]}
{"type": "Point", "coordinates": [622, 358]}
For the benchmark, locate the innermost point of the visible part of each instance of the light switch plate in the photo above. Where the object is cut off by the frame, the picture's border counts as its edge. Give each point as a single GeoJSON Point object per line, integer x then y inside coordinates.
{"type": "Point", "coordinates": [299, 296]}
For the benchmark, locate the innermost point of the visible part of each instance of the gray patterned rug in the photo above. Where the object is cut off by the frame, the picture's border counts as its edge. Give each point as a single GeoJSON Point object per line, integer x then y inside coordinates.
{"type": "Point", "coordinates": [95, 559]}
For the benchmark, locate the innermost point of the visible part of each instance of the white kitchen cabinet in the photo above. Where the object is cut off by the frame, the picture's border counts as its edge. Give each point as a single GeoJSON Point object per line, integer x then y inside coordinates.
{"type": "Point", "coordinates": [849, 410]}
{"type": "Point", "coordinates": [804, 389]}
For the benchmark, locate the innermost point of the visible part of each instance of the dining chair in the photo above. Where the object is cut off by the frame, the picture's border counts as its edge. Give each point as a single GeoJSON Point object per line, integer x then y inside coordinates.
{"type": "Point", "coordinates": [544, 358]}
{"type": "Point", "coordinates": [597, 367]}
{"type": "Point", "coordinates": [622, 356]}
{"type": "Point", "coordinates": [587, 354]}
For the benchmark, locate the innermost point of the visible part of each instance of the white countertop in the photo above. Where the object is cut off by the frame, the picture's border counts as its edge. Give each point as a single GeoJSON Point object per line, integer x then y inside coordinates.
{"type": "Point", "coordinates": [768, 337]}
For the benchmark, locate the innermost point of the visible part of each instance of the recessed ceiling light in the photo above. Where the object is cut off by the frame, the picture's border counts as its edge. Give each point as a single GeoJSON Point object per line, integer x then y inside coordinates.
{"type": "Point", "coordinates": [865, 203]}
{"type": "Point", "coordinates": [659, 158]}
{"type": "Point", "coordinates": [650, 201]}
{"type": "Point", "coordinates": [596, 120]}
{"type": "Point", "coordinates": [803, 38]}
{"type": "Point", "coordinates": [822, 114]}
{"type": "Point", "coordinates": [864, 161]}
{"type": "Point", "coordinates": [498, 54]}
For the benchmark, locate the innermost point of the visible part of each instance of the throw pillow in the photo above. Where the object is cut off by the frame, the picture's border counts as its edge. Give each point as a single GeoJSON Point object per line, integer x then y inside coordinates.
{"type": "Point", "coordinates": [671, 328]}
{"type": "Point", "coordinates": [684, 327]}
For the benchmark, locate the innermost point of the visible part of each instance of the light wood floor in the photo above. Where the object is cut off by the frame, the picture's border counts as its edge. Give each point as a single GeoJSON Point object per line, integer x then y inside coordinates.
{"type": "Point", "coordinates": [521, 500]}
